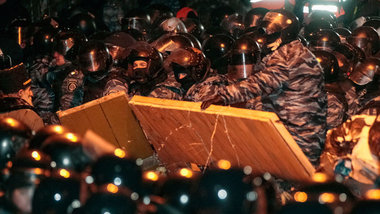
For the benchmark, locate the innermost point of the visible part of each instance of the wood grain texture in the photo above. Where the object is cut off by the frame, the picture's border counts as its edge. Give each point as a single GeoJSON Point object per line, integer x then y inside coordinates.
{"type": "Point", "coordinates": [181, 132]}
{"type": "Point", "coordinates": [112, 119]}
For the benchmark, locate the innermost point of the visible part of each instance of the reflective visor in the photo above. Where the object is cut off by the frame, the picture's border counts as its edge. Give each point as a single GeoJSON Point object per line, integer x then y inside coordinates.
{"type": "Point", "coordinates": [275, 22]}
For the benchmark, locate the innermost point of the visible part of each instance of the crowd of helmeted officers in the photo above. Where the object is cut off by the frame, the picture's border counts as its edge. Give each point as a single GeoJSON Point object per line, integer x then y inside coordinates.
{"type": "Point", "coordinates": [316, 75]}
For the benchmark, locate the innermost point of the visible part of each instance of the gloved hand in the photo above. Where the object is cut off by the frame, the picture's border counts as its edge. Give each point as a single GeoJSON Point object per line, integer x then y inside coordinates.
{"type": "Point", "coordinates": [216, 100]}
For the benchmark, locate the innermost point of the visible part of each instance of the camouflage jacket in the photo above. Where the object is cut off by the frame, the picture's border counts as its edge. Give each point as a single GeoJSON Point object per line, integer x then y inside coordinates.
{"type": "Point", "coordinates": [168, 89]}
{"type": "Point", "coordinates": [115, 82]}
{"type": "Point", "coordinates": [337, 106]}
{"type": "Point", "coordinates": [209, 88]}
{"type": "Point", "coordinates": [292, 83]}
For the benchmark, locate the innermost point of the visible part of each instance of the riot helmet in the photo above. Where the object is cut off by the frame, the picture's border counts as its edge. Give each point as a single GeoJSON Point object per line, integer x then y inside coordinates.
{"type": "Point", "coordinates": [144, 62]}
{"type": "Point", "coordinates": [84, 22]}
{"type": "Point", "coordinates": [44, 40]}
{"type": "Point", "coordinates": [375, 23]}
{"type": "Point", "coordinates": [316, 26]}
{"type": "Point", "coordinates": [243, 57]}
{"type": "Point", "coordinates": [254, 17]}
{"type": "Point", "coordinates": [56, 195]}
{"type": "Point", "coordinates": [216, 49]}
{"type": "Point", "coordinates": [347, 56]}
{"type": "Point", "coordinates": [189, 66]}
{"type": "Point", "coordinates": [168, 43]}
{"type": "Point", "coordinates": [257, 34]}
{"type": "Point", "coordinates": [281, 27]}
{"type": "Point", "coordinates": [366, 38]}
{"type": "Point", "coordinates": [21, 31]}
{"type": "Point", "coordinates": [365, 71]}
{"type": "Point", "coordinates": [233, 24]}
{"type": "Point", "coordinates": [137, 35]}
{"type": "Point", "coordinates": [67, 44]}
{"type": "Point", "coordinates": [14, 135]}
{"type": "Point", "coordinates": [329, 65]}
{"type": "Point", "coordinates": [165, 25]}
{"type": "Point", "coordinates": [193, 39]}
{"type": "Point", "coordinates": [136, 23]}
{"type": "Point", "coordinates": [324, 40]}
{"type": "Point", "coordinates": [194, 27]}
{"type": "Point", "coordinates": [343, 33]}
{"type": "Point", "coordinates": [67, 152]}
{"type": "Point", "coordinates": [320, 15]}
{"type": "Point", "coordinates": [94, 59]}
{"type": "Point", "coordinates": [44, 133]}
{"type": "Point", "coordinates": [118, 44]}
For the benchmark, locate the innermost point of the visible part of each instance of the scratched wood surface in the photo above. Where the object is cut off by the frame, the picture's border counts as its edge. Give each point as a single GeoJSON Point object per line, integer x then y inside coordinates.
{"type": "Point", "coordinates": [112, 119]}
{"type": "Point", "coordinates": [181, 133]}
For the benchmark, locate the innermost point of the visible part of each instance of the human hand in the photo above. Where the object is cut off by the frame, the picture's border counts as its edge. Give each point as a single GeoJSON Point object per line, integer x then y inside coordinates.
{"type": "Point", "coordinates": [217, 100]}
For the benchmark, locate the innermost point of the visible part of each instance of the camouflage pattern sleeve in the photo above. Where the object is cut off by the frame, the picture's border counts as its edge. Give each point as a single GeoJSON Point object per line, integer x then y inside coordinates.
{"type": "Point", "coordinates": [208, 88]}
{"type": "Point", "coordinates": [165, 92]}
{"type": "Point", "coordinates": [72, 90]}
{"type": "Point", "coordinates": [336, 111]}
{"type": "Point", "coordinates": [115, 85]}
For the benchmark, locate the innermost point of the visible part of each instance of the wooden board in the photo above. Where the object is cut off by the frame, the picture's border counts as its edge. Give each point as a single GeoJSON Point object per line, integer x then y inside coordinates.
{"type": "Point", "coordinates": [181, 132]}
{"type": "Point", "coordinates": [111, 118]}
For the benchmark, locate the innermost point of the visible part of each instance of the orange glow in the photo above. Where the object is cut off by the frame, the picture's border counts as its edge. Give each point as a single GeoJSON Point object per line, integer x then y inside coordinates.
{"type": "Point", "coordinates": [222, 45]}
{"type": "Point", "coordinates": [319, 59]}
{"type": "Point", "coordinates": [72, 137]}
{"type": "Point", "coordinates": [9, 164]}
{"type": "Point", "coordinates": [64, 173]}
{"type": "Point", "coordinates": [19, 35]}
{"type": "Point", "coordinates": [224, 164]}
{"type": "Point", "coordinates": [119, 153]}
{"type": "Point", "coordinates": [300, 197]}
{"type": "Point", "coordinates": [36, 156]}
{"type": "Point", "coordinates": [38, 171]}
{"type": "Point", "coordinates": [325, 39]}
{"type": "Point", "coordinates": [112, 188]}
{"type": "Point", "coordinates": [320, 177]}
{"type": "Point", "coordinates": [186, 59]}
{"type": "Point", "coordinates": [187, 173]}
{"type": "Point", "coordinates": [12, 122]}
{"type": "Point", "coordinates": [327, 198]}
{"type": "Point", "coordinates": [371, 67]}
{"type": "Point", "coordinates": [58, 129]}
{"type": "Point", "coordinates": [288, 21]}
{"type": "Point", "coordinates": [373, 194]}
{"type": "Point", "coordinates": [259, 40]}
{"type": "Point", "coordinates": [244, 47]}
{"type": "Point", "coordinates": [150, 175]}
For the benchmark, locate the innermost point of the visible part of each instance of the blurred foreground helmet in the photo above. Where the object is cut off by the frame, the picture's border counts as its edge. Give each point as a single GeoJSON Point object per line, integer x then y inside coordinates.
{"type": "Point", "coordinates": [281, 27]}
{"type": "Point", "coordinates": [83, 22]}
{"type": "Point", "coordinates": [14, 135]}
{"type": "Point", "coordinates": [44, 133]}
{"type": "Point", "coordinates": [305, 207]}
{"type": "Point", "coordinates": [67, 152]}
{"type": "Point", "coordinates": [189, 66]}
{"type": "Point", "coordinates": [120, 171]}
{"type": "Point", "coordinates": [233, 24]}
{"type": "Point", "coordinates": [216, 49]}
{"type": "Point", "coordinates": [329, 65]}
{"type": "Point", "coordinates": [144, 62]}
{"type": "Point", "coordinates": [111, 203]}
{"type": "Point", "coordinates": [94, 58]}
{"type": "Point", "coordinates": [68, 44]}
{"type": "Point", "coordinates": [365, 71]}
{"type": "Point", "coordinates": [56, 195]}
{"type": "Point", "coordinates": [366, 38]}
{"type": "Point", "coordinates": [243, 58]}
{"type": "Point", "coordinates": [224, 191]}
{"type": "Point", "coordinates": [254, 17]}
{"type": "Point", "coordinates": [324, 40]}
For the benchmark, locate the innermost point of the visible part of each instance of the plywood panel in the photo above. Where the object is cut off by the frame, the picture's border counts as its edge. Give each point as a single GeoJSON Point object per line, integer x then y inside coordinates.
{"type": "Point", "coordinates": [112, 119]}
{"type": "Point", "coordinates": [181, 132]}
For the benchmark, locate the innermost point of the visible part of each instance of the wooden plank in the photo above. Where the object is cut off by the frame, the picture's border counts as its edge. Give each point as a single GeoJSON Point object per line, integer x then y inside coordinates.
{"type": "Point", "coordinates": [112, 119]}
{"type": "Point", "coordinates": [181, 132]}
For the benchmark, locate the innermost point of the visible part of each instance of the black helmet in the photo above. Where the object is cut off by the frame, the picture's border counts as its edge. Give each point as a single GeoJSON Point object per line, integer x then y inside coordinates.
{"type": "Point", "coordinates": [233, 24]}
{"type": "Point", "coordinates": [137, 35]}
{"type": "Point", "coordinates": [44, 133]}
{"type": "Point", "coordinates": [118, 44]}
{"type": "Point", "coordinates": [14, 136]}
{"type": "Point", "coordinates": [151, 61]}
{"type": "Point", "coordinates": [366, 207]}
{"type": "Point", "coordinates": [44, 40]}
{"type": "Point", "coordinates": [67, 152]}
{"type": "Point", "coordinates": [347, 56]}
{"type": "Point", "coordinates": [20, 30]}
{"type": "Point", "coordinates": [279, 24]}
{"type": "Point", "coordinates": [324, 40]}
{"type": "Point", "coordinates": [366, 38]}
{"type": "Point", "coordinates": [375, 23]}
{"type": "Point", "coordinates": [244, 55]}
{"type": "Point", "coordinates": [254, 17]}
{"type": "Point", "coordinates": [168, 43]}
{"type": "Point", "coordinates": [111, 203]}
{"type": "Point", "coordinates": [165, 25]}
{"type": "Point", "coordinates": [68, 42]}
{"type": "Point", "coordinates": [365, 71]}
{"type": "Point", "coordinates": [216, 49]}
{"type": "Point", "coordinates": [136, 23]}
{"type": "Point", "coordinates": [56, 195]}
{"type": "Point", "coordinates": [316, 26]}
{"type": "Point", "coordinates": [94, 58]}
{"type": "Point", "coordinates": [120, 171]}
{"type": "Point", "coordinates": [329, 65]}
{"type": "Point", "coordinates": [5, 60]}
{"type": "Point", "coordinates": [193, 39]}
{"type": "Point", "coordinates": [224, 191]}
{"type": "Point", "coordinates": [343, 33]}
{"type": "Point", "coordinates": [189, 66]}
{"type": "Point", "coordinates": [194, 27]}
{"type": "Point", "coordinates": [219, 13]}
{"type": "Point", "coordinates": [320, 15]}
{"type": "Point", "coordinates": [257, 34]}
{"type": "Point", "coordinates": [84, 22]}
